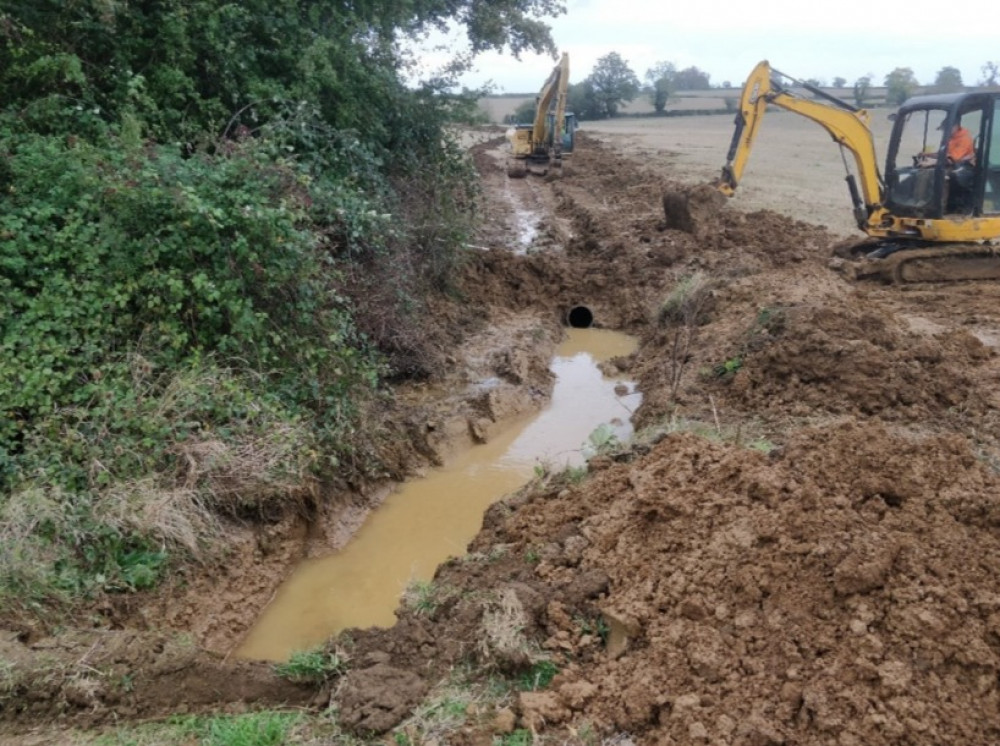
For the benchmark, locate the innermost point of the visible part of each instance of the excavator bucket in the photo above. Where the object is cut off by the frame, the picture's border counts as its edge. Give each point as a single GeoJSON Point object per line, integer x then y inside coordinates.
{"type": "Point", "coordinates": [517, 168]}
{"type": "Point", "coordinates": [693, 209]}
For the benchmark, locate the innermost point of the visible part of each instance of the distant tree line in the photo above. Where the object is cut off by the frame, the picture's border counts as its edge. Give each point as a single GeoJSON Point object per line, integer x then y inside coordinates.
{"type": "Point", "coordinates": [612, 83]}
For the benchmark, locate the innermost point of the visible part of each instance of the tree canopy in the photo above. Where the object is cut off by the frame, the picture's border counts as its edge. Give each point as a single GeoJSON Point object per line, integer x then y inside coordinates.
{"type": "Point", "coordinates": [182, 69]}
{"type": "Point", "coordinates": [612, 83]}
{"type": "Point", "coordinates": [991, 73]}
{"type": "Point", "coordinates": [900, 85]}
{"type": "Point", "coordinates": [691, 79]}
{"type": "Point", "coordinates": [861, 87]}
{"type": "Point", "coordinates": [948, 80]}
{"type": "Point", "coordinates": [660, 78]}
{"type": "Point", "coordinates": [581, 100]}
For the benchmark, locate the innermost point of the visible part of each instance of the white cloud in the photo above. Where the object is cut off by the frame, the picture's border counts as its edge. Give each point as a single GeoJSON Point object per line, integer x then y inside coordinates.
{"type": "Point", "coordinates": [725, 39]}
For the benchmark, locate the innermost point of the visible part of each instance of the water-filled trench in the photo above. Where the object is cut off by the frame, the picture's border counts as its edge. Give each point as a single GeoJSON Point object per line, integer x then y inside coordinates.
{"type": "Point", "coordinates": [432, 518]}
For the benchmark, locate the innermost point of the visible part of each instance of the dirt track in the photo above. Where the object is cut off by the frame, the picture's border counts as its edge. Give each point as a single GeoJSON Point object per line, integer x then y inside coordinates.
{"type": "Point", "coordinates": [802, 548]}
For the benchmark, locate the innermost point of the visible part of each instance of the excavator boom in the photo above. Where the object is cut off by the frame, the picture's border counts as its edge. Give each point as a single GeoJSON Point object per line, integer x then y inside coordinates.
{"type": "Point", "coordinates": [554, 89]}
{"type": "Point", "coordinates": [848, 126]}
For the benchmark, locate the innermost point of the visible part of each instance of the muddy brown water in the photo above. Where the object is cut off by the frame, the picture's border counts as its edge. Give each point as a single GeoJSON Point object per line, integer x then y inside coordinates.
{"type": "Point", "coordinates": [435, 517]}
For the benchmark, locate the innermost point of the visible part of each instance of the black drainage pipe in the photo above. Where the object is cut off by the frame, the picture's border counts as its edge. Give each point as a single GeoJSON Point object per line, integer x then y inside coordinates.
{"type": "Point", "coordinates": [580, 317]}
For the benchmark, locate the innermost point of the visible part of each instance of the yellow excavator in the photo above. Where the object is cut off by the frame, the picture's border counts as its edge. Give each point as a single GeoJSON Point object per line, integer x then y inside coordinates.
{"type": "Point", "coordinates": [541, 145]}
{"type": "Point", "coordinates": [927, 218]}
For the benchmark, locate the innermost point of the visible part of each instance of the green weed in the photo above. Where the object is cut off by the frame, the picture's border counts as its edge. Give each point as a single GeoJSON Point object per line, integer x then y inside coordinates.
{"type": "Point", "coordinates": [452, 704]}
{"type": "Point", "coordinates": [254, 729]}
{"type": "Point", "coordinates": [421, 596]}
{"type": "Point", "coordinates": [594, 625]}
{"type": "Point", "coordinates": [728, 368]}
{"type": "Point", "coordinates": [443, 713]}
{"type": "Point", "coordinates": [311, 665]}
{"type": "Point", "coordinates": [258, 729]}
{"type": "Point", "coordinates": [519, 737]}
{"type": "Point", "coordinates": [769, 322]}
{"type": "Point", "coordinates": [601, 440]}
{"type": "Point", "coordinates": [539, 676]}
{"type": "Point", "coordinates": [587, 735]}
{"type": "Point", "coordinates": [496, 553]}
{"type": "Point", "coordinates": [761, 444]}
{"type": "Point", "coordinates": [770, 318]}
{"type": "Point", "coordinates": [686, 301]}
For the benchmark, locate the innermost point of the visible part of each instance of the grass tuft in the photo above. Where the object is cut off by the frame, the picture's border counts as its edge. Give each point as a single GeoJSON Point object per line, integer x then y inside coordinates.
{"type": "Point", "coordinates": [502, 635]}
{"type": "Point", "coordinates": [312, 666]}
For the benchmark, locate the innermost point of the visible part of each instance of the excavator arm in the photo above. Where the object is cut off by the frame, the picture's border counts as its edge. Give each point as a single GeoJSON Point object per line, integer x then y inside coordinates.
{"type": "Point", "coordinates": [554, 90]}
{"type": "Point", "coordinates": [558, 120]}
{"type": "Point", "coordinates": [847, 125]}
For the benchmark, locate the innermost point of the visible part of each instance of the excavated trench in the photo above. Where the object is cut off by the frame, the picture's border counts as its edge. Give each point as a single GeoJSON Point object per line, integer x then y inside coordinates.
{"type": "Point", "coordinates": [429, 519]}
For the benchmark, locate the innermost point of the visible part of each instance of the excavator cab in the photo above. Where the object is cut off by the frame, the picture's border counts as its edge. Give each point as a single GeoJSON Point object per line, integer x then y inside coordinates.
{"type": "Point", "coordinates": [562, 146]}
{"type": "Point", "coordinates": [568, 132]}
{"type": "Point", "coordinates": [921, 181]}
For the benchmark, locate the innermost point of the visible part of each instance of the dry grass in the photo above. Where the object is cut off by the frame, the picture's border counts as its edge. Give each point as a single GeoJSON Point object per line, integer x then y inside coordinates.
{"type": "Point", "coordinates": [182, 509]}
{"type": "Point", "coordinates": [22, 554]}
{"type": "Point", "coordinates": [502, 639]}
{"type": "Point", "coordinates": [175, 517]}
{"type": "Point", "coordinates": [683, 312]}
{"type": "Point", "coordinates": [251, 471]}
{"type": "Point", "coordinates": [263, 462]}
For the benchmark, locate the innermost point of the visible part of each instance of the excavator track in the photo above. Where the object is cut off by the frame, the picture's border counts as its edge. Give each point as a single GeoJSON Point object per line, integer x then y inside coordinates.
{"type": "Point", "coordinates": [952, 263]}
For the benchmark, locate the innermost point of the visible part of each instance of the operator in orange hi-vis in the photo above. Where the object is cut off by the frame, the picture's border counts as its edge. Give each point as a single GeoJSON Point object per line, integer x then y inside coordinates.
{"type": "Point", "coordinates": [960, 146]}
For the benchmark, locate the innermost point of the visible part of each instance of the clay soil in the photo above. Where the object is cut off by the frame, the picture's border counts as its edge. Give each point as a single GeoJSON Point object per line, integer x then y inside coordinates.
{"type": "Point", "coordinates": [801, 547]}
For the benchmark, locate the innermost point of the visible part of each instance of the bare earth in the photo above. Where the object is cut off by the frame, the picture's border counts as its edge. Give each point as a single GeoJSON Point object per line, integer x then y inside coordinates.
{"type": "Point", "coordinates": [802, 546]}
{"type": "Point", "coordinates": [795, 168]}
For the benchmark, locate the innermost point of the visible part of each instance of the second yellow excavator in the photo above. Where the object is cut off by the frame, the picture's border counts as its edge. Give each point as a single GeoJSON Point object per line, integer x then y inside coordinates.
{"type": "Point", "coordinates": [930, 217]}
{"type": "Point", "coordinates": [541, 145]}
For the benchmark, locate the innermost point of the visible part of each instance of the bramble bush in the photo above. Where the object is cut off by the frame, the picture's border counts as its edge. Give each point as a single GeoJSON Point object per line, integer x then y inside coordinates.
{"type": "Point", "coordinates": [180, 334]}
{"type": "Point", "coordinates": [122, 269]}
{"type": "Point", "coordinates": [191, 256]}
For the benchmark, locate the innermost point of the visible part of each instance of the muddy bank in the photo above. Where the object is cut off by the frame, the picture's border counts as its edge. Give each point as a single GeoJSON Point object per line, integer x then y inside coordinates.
{"type": "Point", "coordinates": [148, 655]}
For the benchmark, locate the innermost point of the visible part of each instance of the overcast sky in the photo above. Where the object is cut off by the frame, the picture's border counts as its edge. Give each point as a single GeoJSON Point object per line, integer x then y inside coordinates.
{"type": "Point", "coordinates": [726, 38]}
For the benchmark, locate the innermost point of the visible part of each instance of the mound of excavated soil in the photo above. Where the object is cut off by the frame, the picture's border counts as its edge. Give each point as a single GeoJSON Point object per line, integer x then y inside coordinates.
{"type": "Point", "coordinates": [853, 359]}
{"type": "Point", "coordinates": [840, 590]}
